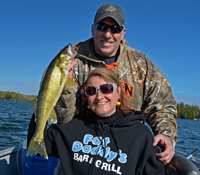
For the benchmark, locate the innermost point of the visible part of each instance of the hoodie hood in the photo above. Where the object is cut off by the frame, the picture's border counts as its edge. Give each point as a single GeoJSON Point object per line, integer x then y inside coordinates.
{"type": "Point", "coordinates": [131, 118]}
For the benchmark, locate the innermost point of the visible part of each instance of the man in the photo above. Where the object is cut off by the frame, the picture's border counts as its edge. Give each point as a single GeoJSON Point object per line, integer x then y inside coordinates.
{"type": "Point", "coordinates": [142, 80]}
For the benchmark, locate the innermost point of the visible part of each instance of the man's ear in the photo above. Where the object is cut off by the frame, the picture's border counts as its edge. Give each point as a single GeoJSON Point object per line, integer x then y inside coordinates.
{"type": "Point", "coordinates": [124, 31]}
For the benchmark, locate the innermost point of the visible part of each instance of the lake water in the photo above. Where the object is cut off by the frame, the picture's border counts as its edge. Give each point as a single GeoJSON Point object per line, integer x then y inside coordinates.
{"type": "Point", "coordinates": [15, 118]}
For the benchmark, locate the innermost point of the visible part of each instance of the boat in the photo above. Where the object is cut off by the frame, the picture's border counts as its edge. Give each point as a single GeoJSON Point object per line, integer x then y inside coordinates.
{"type": "Point", "coordinates": [13, 161]}
{"type": "Point", "coordinates": [186, 164]}
{"type": "Point", "coordinates": [190, 157]}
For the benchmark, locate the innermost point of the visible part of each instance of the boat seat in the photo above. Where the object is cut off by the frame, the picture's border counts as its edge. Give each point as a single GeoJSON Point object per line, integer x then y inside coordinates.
{"type": "Point", "coordinates": [184, 166]}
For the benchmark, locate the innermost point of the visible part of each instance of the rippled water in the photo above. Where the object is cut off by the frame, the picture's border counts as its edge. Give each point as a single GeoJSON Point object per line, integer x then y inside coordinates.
{"type": "Point", "coordinates": [15, 118]}
{"type": "Point", "coordinates": [189, 136]}
{"type": "Point", "coordinates": [14, 122]}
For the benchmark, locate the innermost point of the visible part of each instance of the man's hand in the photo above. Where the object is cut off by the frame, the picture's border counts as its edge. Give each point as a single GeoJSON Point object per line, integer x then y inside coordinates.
{"type": "Point", "coordinates": [167, 148]}
{"type": "Point", "coordinates": [73, 63]}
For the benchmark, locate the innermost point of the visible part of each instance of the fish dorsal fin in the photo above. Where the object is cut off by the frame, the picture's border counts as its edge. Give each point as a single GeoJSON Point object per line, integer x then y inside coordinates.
{"type": "Point", "coordinates": [43, 75]}
{"type": "Point", "coordinates": [34, 107]}
{"type": "Point", "coordinates": [34, 103]}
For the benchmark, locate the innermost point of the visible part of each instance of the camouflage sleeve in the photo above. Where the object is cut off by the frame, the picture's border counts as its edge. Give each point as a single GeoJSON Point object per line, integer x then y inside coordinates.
{"type": "Point", "coordinates": [159, 104]}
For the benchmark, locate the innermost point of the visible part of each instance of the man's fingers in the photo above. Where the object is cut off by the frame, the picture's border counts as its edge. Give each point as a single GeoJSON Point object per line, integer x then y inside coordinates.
{"type": "Point", "coordinates": [165, 160]}
{"type": "Point", "coordinates": [73, 63]}
{"type": "Point", "coordinates": [166, 156]}
{"type": "Point", "coordinates": [70, 68]}
{"type": "Point", "coordinates": [167, 147]}
{"type": "Point", "coordinates": [158, 139]}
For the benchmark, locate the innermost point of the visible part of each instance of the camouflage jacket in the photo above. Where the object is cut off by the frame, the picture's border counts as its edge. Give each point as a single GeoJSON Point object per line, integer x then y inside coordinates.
{"type": "Point", "coordinates": [142, 80]}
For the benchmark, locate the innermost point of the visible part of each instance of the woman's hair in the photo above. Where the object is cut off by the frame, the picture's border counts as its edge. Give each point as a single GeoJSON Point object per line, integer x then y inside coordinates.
{"type": "Point", "coordinates": [112, 77]}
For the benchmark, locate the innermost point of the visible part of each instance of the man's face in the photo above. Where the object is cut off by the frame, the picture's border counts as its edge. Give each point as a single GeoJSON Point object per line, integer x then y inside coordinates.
{"type": "Point", "coordinates": [107, 43]}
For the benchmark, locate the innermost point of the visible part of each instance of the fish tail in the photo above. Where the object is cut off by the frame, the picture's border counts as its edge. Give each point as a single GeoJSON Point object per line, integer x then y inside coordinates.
{"type": "Point", "coordinates": [36, 147]}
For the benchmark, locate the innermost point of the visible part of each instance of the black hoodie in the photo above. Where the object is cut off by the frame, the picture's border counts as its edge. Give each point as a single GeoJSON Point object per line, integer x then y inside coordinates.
{"type": "Point", "coordinates": [116, 145]}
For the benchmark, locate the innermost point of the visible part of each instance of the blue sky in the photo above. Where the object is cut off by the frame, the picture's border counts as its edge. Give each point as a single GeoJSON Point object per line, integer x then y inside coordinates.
{"type": "Point", "coordinates": [32, 32]}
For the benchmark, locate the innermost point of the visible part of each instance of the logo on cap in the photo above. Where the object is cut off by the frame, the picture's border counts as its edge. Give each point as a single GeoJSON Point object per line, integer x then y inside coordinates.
{"type": "Point", "coordinates": [110, 9]}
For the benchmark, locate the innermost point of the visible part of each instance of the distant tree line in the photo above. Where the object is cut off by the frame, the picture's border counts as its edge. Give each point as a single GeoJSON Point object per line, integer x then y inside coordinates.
{"type": "Point", "coordinates": [186, 111]}
{"type": "Point", "coordinates": [7, 95]}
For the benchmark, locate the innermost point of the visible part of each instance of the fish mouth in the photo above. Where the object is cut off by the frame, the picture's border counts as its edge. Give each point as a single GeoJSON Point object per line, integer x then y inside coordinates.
{"type": "Point", "coordinates": [74, 52]}
{"type": "Point", "coordinates": [71, 51]}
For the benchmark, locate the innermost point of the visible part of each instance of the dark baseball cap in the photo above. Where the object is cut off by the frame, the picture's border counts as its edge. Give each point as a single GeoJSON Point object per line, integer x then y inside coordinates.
{"type": "Point", "coordinates": [110, 10]}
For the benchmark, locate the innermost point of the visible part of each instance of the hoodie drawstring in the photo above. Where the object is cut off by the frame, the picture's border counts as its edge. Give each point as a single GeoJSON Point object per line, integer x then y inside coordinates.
{"type": "Point", "coordinates": [116, 139]}
{"type": "Point", "coordinates": [104, 136]}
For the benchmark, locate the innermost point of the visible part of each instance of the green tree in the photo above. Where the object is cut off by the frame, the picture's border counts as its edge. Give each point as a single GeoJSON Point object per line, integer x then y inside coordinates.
{"type": "Point", "coordinates": [16, 96]}
{"type": "Point", "coordinates": [186, 111]}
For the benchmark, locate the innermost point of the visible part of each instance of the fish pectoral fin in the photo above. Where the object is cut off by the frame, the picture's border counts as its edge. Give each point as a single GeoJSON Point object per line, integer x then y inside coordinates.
{"type": "Point", "coordinates": [52, 117]}
{"type": "Point", "coordinates": [70, 83]}
{"type": "Point", "coordinates": [34, 105]}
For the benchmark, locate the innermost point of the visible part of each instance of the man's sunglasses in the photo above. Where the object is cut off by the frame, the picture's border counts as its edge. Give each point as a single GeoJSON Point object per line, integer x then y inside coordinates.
{"type": "Point", "coordinates": [104, 89]}
{"type": "Point", "coordinates": [114, 28]}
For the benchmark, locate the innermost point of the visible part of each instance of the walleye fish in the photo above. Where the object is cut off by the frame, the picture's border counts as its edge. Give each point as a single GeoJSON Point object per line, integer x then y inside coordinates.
{"type": "Point", "coordinates": [52, 84]}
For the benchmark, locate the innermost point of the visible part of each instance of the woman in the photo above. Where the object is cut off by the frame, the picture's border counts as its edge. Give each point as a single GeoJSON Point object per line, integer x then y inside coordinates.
{"type": "Point", "coordinates": [110, 139]}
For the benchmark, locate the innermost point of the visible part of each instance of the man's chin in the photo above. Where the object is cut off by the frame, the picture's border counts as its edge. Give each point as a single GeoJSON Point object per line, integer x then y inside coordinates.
{"type": "Point", "coordinates": [107, 52]}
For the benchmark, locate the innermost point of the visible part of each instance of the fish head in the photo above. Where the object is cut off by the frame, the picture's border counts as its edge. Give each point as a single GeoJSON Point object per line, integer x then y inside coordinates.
{"type": "Point", "coordinates": [68, 53]}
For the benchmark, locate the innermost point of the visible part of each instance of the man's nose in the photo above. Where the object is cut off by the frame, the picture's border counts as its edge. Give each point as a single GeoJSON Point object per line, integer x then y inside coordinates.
{"type": "Point", "coordinates": [108, 33]}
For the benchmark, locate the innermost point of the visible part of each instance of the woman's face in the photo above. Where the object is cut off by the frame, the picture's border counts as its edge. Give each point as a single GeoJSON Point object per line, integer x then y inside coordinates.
{"type": "Point", "coordinates": [102, 105]}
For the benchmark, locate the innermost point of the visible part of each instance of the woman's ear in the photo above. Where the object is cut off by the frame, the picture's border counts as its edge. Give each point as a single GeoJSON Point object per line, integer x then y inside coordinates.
{"type": "Point", "coordinates": [119, 90]}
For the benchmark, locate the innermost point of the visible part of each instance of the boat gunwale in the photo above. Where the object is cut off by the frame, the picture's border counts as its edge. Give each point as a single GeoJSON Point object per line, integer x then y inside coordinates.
{"type": "Point", "coordinates": [192, 159]}
{"type": "Point", "coordinates": [8, 151]}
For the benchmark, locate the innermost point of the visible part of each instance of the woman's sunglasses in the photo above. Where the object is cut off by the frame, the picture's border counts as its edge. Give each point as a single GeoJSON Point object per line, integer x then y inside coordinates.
{"type": "Point", "coordinates": [104, 89]}
{"type": "Point", "coordinates": [114, 28]}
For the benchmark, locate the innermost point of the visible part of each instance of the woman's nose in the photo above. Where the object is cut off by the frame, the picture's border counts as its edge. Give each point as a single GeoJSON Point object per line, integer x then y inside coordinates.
{"type": "Point", "coordinates": [99, 95]}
